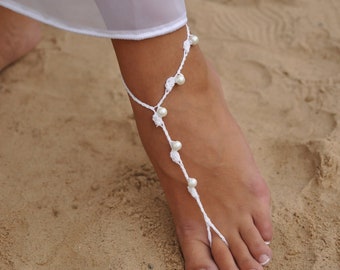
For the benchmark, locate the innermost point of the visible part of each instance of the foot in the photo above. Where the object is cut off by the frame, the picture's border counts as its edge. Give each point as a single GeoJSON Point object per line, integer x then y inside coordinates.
{"type": "Point", "coordinates": [18, 36]}
{"type": "Point", "coordinates": [234, 194]}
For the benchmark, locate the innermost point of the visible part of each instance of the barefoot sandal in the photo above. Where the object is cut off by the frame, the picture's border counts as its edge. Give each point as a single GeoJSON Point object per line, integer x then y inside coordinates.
{"type": "Point", "coordinates": [160, 112]}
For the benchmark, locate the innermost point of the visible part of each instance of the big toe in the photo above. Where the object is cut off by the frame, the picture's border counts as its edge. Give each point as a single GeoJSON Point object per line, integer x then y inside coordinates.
{"type": "Point", "coordinates": [195, 248]}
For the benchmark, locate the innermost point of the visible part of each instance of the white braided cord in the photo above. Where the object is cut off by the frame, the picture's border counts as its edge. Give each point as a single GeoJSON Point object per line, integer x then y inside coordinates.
{"type": "Point", "coordinates": [175, 155]}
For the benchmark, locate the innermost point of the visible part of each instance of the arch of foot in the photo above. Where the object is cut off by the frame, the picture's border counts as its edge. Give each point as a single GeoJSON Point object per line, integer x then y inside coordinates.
{"type": "Point", "coordinates": [160, 112]}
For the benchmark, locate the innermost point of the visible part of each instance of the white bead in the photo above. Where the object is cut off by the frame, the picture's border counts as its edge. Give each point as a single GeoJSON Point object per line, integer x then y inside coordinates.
{"type": "Point", "coordinates": [162, 112]}
{"type": "Point", "coordinates": [180, 79]}
{"type": "Point", "coordinates": [194, 40]}
{"type": "Point", "coordinates": [192, 182]}
{"type": "Point", "coordinates": [176, 145]}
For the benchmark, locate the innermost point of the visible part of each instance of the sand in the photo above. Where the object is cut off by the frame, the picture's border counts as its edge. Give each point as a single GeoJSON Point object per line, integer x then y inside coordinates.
{"type": "Point", "coordinates": [76, 188]}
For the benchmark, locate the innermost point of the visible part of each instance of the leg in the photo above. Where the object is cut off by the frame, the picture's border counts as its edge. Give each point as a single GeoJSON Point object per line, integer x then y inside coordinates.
{"type": "Point", "coordinates": [18, 36]}
{"type": "Point", "coordinates": [214, 150]}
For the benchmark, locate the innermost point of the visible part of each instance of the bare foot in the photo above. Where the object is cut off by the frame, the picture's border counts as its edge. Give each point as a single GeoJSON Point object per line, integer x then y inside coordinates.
{"type": "Point", "coordinates": [18, 36]}
{"type": "Point", "coordinates": [234, 195]}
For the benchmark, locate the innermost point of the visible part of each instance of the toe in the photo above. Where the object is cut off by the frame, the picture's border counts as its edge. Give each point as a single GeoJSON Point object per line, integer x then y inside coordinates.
{"type": "Point", "coordinates": [195, 248]}
{"type": "Point", "coordinates": [262, 221]}
{"type": "Point", "coordinates": [222, 255]}
{"type": "Point", "coordinates": [262, 216]}
{"type": "Point", "coordinates": [239, 249]}
{"type": "Point", "coordinates": [255, 243]}
{"type": "Point", "coordinates": [197, 256]}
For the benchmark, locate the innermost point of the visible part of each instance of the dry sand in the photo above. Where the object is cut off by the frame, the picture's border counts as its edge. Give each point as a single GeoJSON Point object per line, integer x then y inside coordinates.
{"type": "Point", "coordinates": [77, 190]}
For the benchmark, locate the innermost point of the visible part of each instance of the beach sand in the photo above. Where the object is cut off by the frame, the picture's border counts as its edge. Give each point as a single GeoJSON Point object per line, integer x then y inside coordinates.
{"type": "Point", "coordinates": [76, 188]}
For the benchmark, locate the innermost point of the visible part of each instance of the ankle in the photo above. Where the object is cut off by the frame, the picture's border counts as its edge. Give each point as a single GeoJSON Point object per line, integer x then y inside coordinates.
{"type": "Point", "coordinates": [147, 64]}
{"type": "Point", "coordinates": [19, 35]}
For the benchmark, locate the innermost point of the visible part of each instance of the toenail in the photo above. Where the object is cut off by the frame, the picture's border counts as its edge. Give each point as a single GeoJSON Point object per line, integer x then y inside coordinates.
{"type": "Point", "coordinates": [264, 259]}
{"type": "Point", "coordinates": [267, 242]}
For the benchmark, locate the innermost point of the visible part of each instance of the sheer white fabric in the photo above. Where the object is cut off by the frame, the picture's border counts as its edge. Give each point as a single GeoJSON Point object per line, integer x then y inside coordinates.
{"type": "Point", "coordinates": [120, 19]}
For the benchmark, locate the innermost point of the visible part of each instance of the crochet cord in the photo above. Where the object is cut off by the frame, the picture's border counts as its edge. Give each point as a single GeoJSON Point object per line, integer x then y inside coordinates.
{"type": "Point", "coordinates": [174, 154]}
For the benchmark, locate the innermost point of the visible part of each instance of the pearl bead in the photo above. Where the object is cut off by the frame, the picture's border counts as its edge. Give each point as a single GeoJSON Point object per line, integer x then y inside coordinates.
{"type": "Point", "coordinates": [180, 79]}
{"type": "Point", "coordinates": [194, 40]}
{"type": "Point", "coordinates": [192, 182]}
{"type": "Point", "coordinates": [162, 112]}
{"type": "Point", "coordinates": [176, 145]}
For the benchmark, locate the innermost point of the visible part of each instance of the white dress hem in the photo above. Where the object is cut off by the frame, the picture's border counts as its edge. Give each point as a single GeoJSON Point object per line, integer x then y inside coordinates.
{"type": "Point", "coordinates": [120, 34]}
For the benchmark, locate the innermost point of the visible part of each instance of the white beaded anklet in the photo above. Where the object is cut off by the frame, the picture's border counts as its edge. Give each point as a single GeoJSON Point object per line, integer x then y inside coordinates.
{"type": "Point", "coordinates": [160, 112]}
